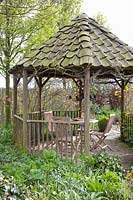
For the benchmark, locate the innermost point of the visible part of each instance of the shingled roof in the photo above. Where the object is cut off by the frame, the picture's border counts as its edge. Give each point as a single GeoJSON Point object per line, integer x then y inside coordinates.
{"type": "Point", "coordinates": [82, 42]}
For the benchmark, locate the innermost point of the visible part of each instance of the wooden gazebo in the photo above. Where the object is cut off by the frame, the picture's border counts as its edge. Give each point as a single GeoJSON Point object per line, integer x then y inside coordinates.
{"type": "Point", "coordinates": [80, 50]}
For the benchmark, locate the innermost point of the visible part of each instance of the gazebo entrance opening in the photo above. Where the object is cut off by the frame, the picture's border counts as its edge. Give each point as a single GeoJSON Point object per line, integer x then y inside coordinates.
{"type": "Point", "coordinates": [56, 130]}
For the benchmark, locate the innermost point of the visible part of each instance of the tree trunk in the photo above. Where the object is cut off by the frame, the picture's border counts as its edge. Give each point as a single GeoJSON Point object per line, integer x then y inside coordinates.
{"type": "Point", "coordinates": [7, 53]}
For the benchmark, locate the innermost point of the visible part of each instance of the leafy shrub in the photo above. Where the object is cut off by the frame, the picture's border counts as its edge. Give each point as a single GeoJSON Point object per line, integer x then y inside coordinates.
{"type": "Point", "coordinates": [129, 141]}
{"type": "Point", "coordinates": [9, 189]}
{"type": "Point", "coordinates": [107, 184]}
{"type": "Point", "coordinates": [129, 178]}
{"type": "Point", "coordinates": [49, 155]}
{"type": "Point", "coordinates": [101, 163]}
{"type": "Point", "coordinates": [6, 135]}
{"type": "Point", "coordinates": [29, 177]}
{"type": "Point", "coordinates": [102, 123]}
{"type": "Point", "coordinates": [107, 112]}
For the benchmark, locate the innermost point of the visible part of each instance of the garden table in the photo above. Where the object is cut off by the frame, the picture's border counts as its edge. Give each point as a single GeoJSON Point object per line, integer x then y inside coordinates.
{"type": "Point", "coordinates": [80, 121]}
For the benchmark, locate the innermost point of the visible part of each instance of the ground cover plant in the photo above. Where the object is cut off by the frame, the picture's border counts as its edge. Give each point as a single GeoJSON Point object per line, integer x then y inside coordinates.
{"type": "Point", "coordinates": [47, 177]}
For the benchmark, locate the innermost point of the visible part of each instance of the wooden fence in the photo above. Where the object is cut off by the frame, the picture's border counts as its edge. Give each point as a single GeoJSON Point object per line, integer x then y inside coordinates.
{"type": "Point", "coordinates": [18, 130]}
{"type": "Point", "coordinates": [68, 113]}
{"type": "Point", "coordinates": [65, 137]}
{"type": "Point", "coordinates": [128, 115]}
{"type": "Point", "coordinates": [71, 114]}
{"type": "Point", "coordinates": [128, 125]}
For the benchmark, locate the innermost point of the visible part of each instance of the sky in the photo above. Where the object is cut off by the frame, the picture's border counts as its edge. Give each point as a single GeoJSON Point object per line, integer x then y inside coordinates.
{"type": "Point", "coordinates": [119, 15]}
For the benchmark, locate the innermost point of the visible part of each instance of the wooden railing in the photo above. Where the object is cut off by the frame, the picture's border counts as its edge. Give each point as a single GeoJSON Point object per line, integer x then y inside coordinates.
{"type": "Point", "coordinates": [71, 114]}
{"type": "Point", "coordinates": [65, 137]}
{"type": "Point", "coordinates": [35, 115]}
{"type": "Point", "coordinates": [18, 130]}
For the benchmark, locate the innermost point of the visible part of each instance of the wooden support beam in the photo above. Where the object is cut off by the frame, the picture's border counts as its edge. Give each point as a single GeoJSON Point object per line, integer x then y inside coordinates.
{"type": "Point", "coordinates": [76, 82]}
{"type": "Point", "coordinates": [80, 85]}
{"type": "Point", "coordinates": [39, 97]}
{"type": "Point", "coordinates": [40, 86]}
{"type": "Point", "coordinates": [118, 82]}
{"type": "Point", "coordinates": [30, 79]}
{"type": "Point", "coordinates": [87, 108]}
{"type": "Point", "coordinates": [15, 82]}
{"type": "Point", "coordinates": [80, 97]}
{"type": "Point", "coordinates": [25, 108]}
{"type": "Point", "coordinates": [33, 75]}
{"type": "Point", "coordinates": [37, 80]}
{"type": "Point", "coordinates": [18, 80]}
{"type": "Point", "coordinates": [122, 109]}
{"type": "Point", "coordinates": [45, 81]}
{"type": "Point", "coordinates": [122, 86]}
{"type": "Point", "coordinates": [14, 107]}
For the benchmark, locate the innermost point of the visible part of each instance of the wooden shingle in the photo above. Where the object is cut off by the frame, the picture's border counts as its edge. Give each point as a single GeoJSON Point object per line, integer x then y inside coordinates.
{"type": "Point", "coordinates": [81, 42]}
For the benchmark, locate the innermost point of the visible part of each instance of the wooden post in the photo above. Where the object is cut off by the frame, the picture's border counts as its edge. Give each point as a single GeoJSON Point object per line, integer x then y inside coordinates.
{"type": "Point", "coordinates": [80, 98]}
{"type": "Point", "coordinates": [25, 108]}
{"type": "Point", "coordinates": [14, 107]}
{"type": "Point", "coordinates": [39, 98]}
{"type": "Point", "coordinates": [122, 108]}
{"type": "Point", "coordinates": [87, 108]}
{"type": "Point", "coordinates": [14, 94]}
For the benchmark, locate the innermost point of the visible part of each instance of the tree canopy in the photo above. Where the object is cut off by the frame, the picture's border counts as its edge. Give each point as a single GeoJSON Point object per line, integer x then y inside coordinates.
{"type": "Point", "coordinates": [27, 23]}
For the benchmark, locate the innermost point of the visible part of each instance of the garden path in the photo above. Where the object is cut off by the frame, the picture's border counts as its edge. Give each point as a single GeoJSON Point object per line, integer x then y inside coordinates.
{"type": "Point", "coordinates": [122, 150]}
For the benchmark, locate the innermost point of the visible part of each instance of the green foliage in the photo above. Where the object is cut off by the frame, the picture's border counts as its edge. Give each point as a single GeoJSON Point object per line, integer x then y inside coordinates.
{"type": "Point", "coordinates": [95, 108]}
{"type": "Point", "coordinates": [10, 190]}
{"type": "Point", "coordinates": [31, 177]}
{"type": "Point", "coordinates": [49, 155]}
{"type": "Point", "coordinates": [6, 134]}
{"type": "Point", "coordinates": [102, 123]}
{"type": "Point", "coordinates": [103, 116]}
{"type": "Point", "coordinates": [129, 178]}
{"type": "Point", "coordinates": [107, 162]}
{"type": "Point", "coordinates": [26, 22]}
{"type": "Point", "coordinates": [107, 112]}
{"type": "Point", "coordinates": [101, 163]}
{"type": "Point", "coordinates": [129, 141]}
{"type": "Point", "coordinates": [102, 20]}
{"type": "Point", "coordinates": [25, 25]}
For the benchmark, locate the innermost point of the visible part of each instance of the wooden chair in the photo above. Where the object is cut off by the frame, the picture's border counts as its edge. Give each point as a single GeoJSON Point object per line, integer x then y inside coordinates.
{"type": "Point", "coordinates": [50, 130]}
{"type": "Point", "coordinates": [98, 138]}
{"type": "Point", "coordinates": [48, 116]}
{"type": "Point", "coordinates": [67, 143]}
